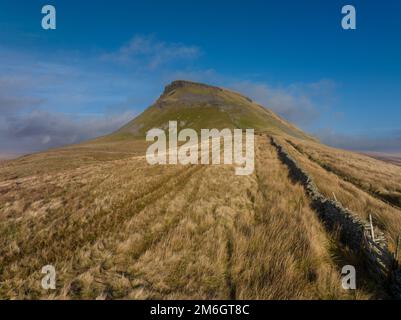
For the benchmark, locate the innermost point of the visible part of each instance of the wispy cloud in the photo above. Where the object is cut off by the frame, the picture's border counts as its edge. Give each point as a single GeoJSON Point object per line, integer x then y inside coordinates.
{"type": "Point", "coordinates": [151, 52]}
{"type": "Point", "coordinates": [13, 96]}
{"type": "Point", "coordinates": [69, 97]}
{"type": "Point", "coordinates": [364, 141]}
{"type": "Point", "coordinates": [49, 103]}
{"type": "Point", "coordinates": [299, 103]}
{"type": "Point", "coordinates": [39, 129]}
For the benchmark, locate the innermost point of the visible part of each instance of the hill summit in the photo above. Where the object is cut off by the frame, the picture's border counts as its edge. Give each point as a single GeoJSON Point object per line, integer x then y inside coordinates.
{"type": "Point", "coordinates": [198, 106]}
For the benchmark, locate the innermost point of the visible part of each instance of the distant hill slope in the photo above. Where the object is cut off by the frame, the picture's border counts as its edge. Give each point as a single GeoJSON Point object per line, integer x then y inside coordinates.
{"type": "Point", "coordinates": [193, 105]}
{"type": "Point", "coordinates": [198, 106]}
{"type": "Point", "coordinates": [390, 158]}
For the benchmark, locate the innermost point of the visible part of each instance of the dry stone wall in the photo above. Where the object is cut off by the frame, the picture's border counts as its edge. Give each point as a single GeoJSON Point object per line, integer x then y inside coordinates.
{"type": "Point", "coordinates": [354, 232]}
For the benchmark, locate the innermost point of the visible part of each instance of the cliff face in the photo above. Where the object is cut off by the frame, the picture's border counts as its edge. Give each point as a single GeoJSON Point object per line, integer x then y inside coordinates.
{"type": "Point", "coordinates": [179, 84]}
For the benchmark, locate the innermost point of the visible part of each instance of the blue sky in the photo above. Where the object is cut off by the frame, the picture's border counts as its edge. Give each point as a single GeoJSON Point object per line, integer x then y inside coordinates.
{"type": "Point", "coordinates": [108, 60]}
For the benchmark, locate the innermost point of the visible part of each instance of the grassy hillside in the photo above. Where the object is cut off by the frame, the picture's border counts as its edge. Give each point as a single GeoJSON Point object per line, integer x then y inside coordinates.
{"type": "Point", "coordinates": [199, 106]}
{"type": "Point", "coordinates": [124, 229]}
{"type": "Point", "coordinates": [115, 227]}
{"type": "Point", "coordinates": [358, 182]}
{"type": "Point", "coordinates": [373, 176]}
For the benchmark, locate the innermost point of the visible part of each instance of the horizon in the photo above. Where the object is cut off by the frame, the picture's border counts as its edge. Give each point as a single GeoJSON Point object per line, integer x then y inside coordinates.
{"type": "Point", "coordinates": [104, 64]}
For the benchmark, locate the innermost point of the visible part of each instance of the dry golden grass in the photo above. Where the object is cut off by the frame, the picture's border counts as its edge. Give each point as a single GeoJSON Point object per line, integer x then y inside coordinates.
{"type": "Point", "coordinates": [119, 228]}
{"type": "Point", "coordinates": [386, 217]}
{"type": "Point", "coordinates": [115, 227]}
{"type": "Point", "coordinates": [70, 157]}
{"type": "Point", "coordinates": [374, 176]}
{"type": "Point", "coordinates": [282, 250]}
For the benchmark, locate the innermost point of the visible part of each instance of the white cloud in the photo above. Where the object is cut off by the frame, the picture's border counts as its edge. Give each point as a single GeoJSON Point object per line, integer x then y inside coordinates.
{"type": "Point", "coordinates": [152, 53]}
{"type": "Point", "coordinates": [40, 129]}
{"type": "Point", "coordinates": [294, 103]}
{"type": "Point", "coordinates": [52, 103]}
